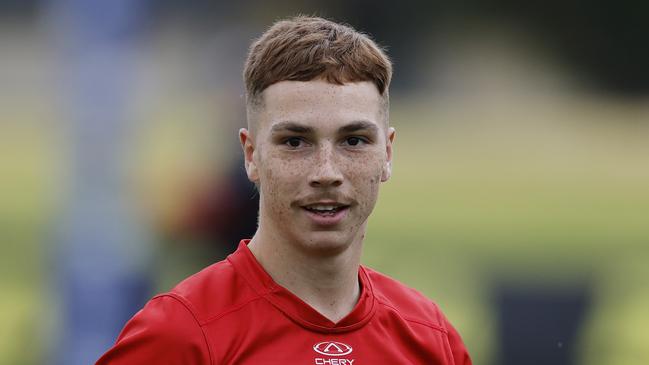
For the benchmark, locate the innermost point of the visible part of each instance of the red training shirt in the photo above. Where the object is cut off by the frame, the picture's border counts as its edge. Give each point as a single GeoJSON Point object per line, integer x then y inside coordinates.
{"type": "Point", "coordinates": [233, 312]}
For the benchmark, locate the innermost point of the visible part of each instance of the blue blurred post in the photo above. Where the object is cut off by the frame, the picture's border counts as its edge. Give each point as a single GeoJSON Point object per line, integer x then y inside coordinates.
{"type": "Point", "coordinates": [540, 326]}
{"type": "Point", "coordinates": [102, 252]}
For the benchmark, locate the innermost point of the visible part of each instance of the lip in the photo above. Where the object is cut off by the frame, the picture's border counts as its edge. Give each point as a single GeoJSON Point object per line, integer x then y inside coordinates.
{"type": "Point", "coordinates": [326, 220]}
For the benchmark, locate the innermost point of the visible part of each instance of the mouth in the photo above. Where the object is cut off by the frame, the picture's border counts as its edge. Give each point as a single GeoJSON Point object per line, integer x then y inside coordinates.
{"type": "Point", "coordinates": [325, 209]}
{"type": "Point", "coordinates": [326, 213]}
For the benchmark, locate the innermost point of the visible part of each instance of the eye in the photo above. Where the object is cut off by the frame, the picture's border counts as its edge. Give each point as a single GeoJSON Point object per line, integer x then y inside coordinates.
{"type": "Point", "coordinates": [354, 141]}
{"type": "Point", "coordinates": [293, 142]}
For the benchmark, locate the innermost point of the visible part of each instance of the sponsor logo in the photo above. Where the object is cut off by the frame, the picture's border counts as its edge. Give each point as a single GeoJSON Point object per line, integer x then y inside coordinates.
{"type": "Point", "coordinates": [334, 361]}
{"type": "Point", "coordinates": [331, 348]}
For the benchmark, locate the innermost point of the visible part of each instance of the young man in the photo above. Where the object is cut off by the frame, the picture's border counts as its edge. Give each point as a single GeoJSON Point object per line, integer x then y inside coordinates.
{"type": "Point", "coordinates": [318, 145]}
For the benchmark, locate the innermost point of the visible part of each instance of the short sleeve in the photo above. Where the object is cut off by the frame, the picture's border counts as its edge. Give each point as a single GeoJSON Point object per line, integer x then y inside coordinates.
{"type": "Point", "coordinates": [164, 332]}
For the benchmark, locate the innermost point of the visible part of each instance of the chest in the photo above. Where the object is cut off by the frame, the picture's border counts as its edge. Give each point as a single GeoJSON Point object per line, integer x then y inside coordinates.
{"type": "Point", "coordinates": [277, 340]}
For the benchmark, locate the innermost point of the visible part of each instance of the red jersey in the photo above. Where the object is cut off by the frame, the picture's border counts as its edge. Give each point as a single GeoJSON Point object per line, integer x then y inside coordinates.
{"type": "Point", "coordinates": [234, 313]}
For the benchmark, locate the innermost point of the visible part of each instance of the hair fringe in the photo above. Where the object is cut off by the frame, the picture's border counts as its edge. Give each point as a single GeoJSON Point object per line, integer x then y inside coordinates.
{"type": "Point", "coordinates": [305, 48]}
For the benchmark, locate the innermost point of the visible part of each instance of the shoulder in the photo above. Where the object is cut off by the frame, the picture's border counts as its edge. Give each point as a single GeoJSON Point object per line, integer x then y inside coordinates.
{"type": "Point", "coordinates": [170, 327]}
{"type": "Point", "coordinates": [213, 291]}
{"type": "Point", "coordinates": [414, 307]}
{"type": "Point", "coordinates": [163, 332]}
{"type": "Point", "coordinates": [409, 303]}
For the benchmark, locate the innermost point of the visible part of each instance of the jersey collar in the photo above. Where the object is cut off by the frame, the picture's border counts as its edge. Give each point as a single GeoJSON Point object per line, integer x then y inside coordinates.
{"type": "Point", "coordinates": [295, 308]}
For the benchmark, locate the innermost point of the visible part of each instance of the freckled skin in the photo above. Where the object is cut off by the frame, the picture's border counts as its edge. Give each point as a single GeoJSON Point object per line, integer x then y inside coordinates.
{"type": "Point", "coordinates": [324, 166]}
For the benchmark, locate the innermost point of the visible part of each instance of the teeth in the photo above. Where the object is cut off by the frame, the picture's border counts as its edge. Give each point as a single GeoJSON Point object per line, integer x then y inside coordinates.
{"type": "Point", "coordinates": [322, 208]}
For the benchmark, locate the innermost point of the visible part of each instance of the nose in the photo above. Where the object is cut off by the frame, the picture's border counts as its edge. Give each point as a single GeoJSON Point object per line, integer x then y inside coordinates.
{"type": "Point", "coordinates": [326, 171]}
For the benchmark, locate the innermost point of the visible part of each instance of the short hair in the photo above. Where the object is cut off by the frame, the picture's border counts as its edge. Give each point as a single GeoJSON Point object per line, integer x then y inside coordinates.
{"type": "Point", "coordinates": [305, 48]}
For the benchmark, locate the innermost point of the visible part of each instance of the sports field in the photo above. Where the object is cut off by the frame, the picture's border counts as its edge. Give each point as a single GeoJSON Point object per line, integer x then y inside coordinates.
{"type": "Point", "coordinates": [527, 195]}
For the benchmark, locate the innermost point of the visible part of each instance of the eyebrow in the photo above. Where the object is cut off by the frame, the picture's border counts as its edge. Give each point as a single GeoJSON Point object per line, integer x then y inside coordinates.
{"type": "Point", "coordinates": [358, 126]}
{"type": "Point", "coordinates": [291, 127]}
{"type": "Point", "coordinates": [300, 128]}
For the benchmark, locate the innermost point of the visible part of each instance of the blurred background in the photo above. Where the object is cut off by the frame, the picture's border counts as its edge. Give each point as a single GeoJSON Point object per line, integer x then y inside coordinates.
{"type": "Point", "coordinates": [519, 200]}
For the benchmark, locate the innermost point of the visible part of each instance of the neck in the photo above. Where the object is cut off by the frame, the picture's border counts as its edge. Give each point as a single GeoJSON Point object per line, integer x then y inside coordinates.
{"type": "Point", "coordinates": [328, 283]}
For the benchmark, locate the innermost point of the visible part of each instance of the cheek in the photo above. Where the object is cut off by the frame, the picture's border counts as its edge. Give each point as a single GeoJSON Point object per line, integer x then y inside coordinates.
{"type": "Point", "coordinates": [365, 176]}
{"type": "Point", "coordinates": [278, 179]}
{"type": "Point", "coordinates": [368, 167]}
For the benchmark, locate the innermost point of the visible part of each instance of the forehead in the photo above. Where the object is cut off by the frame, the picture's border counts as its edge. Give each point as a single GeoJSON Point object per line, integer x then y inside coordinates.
{"type": "Point", "coordinates": [320, 104]}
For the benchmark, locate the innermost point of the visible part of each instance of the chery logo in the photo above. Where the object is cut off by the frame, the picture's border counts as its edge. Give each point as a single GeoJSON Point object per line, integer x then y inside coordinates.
{"type": "Point", "coordinates": [331, 348]}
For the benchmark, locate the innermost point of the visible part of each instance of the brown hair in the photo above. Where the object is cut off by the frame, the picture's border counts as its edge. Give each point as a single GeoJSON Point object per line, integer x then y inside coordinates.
{"type": "Point", "coordinates": [305, 48]}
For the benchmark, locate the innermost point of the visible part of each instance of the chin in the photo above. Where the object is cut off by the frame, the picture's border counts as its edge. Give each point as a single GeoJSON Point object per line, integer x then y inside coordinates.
{"type": "Point", "coordinates": [327, 242]}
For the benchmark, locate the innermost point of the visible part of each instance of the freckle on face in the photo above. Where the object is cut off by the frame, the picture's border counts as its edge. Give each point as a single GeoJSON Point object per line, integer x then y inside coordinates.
{"type": "Point", "coordinates": [285, 176]}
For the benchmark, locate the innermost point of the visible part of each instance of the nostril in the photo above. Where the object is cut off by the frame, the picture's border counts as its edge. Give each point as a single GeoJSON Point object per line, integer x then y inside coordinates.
{"type": "Point", "coordinates": [326, 181]}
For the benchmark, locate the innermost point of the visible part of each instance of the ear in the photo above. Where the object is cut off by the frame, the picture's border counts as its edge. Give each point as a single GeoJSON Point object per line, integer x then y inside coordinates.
{"type": "Point", "coordinates": [248, 146]}
{"type": "Point", "coordinates": [387, 168]}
